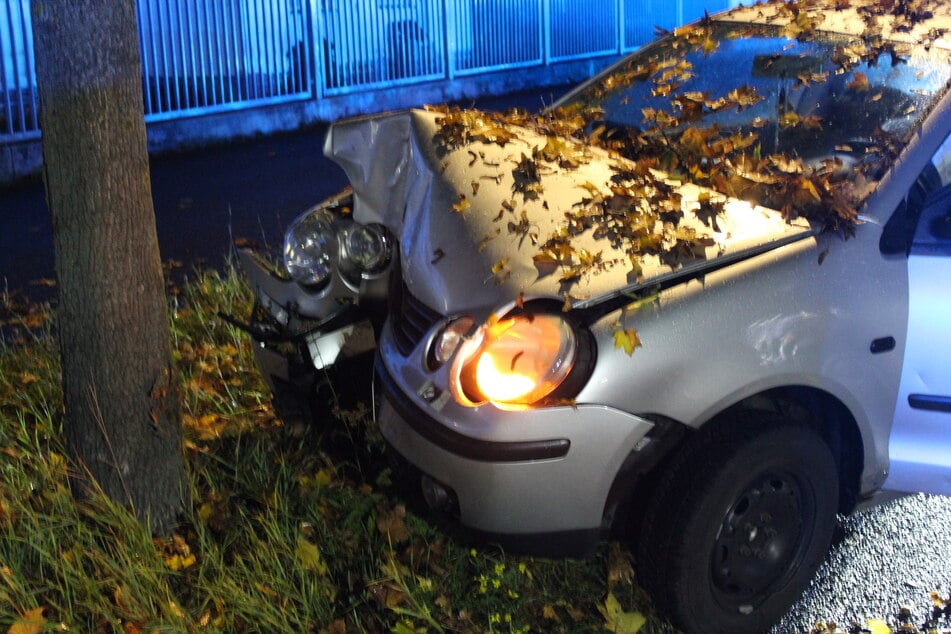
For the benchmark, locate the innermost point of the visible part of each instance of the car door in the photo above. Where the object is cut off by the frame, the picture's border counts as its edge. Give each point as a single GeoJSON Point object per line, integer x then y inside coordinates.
{"type": "Point", "coordinates": [920, 441]}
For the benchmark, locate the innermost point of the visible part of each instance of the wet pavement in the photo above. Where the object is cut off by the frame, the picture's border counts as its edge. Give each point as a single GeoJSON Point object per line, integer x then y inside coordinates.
{"type": "Point", "coordinates": [204, 199]}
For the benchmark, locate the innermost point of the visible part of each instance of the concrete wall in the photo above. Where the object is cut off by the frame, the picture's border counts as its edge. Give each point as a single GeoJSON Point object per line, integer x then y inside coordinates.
{"type": "Point", "coordinates": [21, 159]}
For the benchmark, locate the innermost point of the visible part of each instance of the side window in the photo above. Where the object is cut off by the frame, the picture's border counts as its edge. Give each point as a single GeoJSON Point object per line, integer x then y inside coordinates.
{"type": "Point", "coordinates": [941, 161]}
{"type": "Point", "coordinates": [899, 232]}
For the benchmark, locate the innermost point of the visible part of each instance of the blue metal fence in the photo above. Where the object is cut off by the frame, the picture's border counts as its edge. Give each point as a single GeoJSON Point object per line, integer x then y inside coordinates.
{"type": "Point", "coordinates": [375, 43]}
{"type": "Point", "coordinates": [202, 56]}
{"type": "Point", "coordinates": [18, 104]}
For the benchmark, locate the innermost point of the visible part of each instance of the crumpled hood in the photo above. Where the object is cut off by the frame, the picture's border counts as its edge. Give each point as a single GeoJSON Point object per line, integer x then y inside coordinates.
{"type": "Point", "coordinates": [474, 218]}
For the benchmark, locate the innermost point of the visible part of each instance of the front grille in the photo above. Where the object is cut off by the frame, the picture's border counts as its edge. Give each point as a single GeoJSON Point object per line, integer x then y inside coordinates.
{"type": "Point", "coordinates": [410, 319]}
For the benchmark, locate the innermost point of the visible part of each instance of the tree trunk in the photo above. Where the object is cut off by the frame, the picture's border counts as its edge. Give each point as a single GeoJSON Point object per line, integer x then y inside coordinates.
{"type": "Point", "coordinates": [123, 414]}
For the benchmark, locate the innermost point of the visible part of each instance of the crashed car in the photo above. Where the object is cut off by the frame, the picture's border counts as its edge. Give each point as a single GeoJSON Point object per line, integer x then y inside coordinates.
{"type": "Point", "coordinates": [700, 302]}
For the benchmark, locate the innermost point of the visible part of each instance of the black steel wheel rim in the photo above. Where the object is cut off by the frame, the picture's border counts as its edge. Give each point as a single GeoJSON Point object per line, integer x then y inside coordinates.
{"type": "Point", "coordinates": [761, 540]}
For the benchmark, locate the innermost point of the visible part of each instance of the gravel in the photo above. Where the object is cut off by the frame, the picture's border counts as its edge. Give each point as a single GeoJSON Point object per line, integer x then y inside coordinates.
{"type": "Point", "coordinates": [888, 557]}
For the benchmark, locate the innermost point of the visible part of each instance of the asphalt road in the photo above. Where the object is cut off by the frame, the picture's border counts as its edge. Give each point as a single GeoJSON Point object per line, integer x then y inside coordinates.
{"type": "Point", "coordinates": [886, 558]}
{"type": "Point", "coordinates": [204, 199]}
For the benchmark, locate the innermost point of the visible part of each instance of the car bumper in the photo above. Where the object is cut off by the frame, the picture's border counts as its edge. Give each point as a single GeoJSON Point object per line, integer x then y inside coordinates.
{"type": "Point", "coordinates": [290, 346]}
{"type": "Point", "coordinates": [540, 485]}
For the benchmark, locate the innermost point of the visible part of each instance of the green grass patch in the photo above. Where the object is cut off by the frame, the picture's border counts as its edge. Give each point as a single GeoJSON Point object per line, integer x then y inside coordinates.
{"type": "Point", "coordinates": [288, 527]}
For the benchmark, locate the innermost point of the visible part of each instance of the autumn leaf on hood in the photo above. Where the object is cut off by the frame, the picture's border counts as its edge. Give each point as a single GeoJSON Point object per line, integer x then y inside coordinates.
{"type": "Point", "coordinates": [626, 339]}
{"type": "Point", "coordinates": [877, 626]}
{"type": "Point", "coordinates": [501, 270]}
{"type": "Point", "coordinates": [708, 210]}
{"type": "Point", "coordinates": [462, 205]}
{"type": "Point", "coordinates": [527, 179]}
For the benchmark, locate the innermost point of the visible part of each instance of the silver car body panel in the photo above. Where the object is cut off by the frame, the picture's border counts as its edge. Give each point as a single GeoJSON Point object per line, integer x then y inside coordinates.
{"type": "Point", "coordinates": [400, 180]}
{"type": "Point", "coordinates": [529, 496]}
{"type": "Point", "coordinates": [919, 440]}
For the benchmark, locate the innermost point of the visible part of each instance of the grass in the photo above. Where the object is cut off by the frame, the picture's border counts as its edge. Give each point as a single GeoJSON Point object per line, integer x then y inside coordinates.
{"type": "Point", "coordinates": [288, 527]}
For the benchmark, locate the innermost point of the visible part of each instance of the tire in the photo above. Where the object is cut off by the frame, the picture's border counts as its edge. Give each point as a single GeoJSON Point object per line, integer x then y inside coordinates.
{"type": "Point", "coordinates": [738, 524]}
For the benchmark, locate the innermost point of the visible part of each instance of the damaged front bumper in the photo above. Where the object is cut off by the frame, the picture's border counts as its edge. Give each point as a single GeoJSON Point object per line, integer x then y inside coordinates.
{"type": "Point", "coordinates": [291, 347]}
{"type": "Point", "coordinates": [300, 327]}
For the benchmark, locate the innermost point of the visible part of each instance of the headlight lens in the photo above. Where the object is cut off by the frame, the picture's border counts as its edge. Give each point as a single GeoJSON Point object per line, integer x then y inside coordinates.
{"type": "Point", "coordinates": [516, 361]}
{"type": "Point", "coordinates": [309, 246]}
{"type": "Point", "coordinates": [368, 247]}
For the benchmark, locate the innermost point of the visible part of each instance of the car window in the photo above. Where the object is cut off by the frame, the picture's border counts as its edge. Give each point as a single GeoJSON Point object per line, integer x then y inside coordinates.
{"type": "Point", "coordinates": [941, 161]}
{"type": "Point", "coordinates": [754, 114]}
{"type": "Point", "coordinates": [899, 233]}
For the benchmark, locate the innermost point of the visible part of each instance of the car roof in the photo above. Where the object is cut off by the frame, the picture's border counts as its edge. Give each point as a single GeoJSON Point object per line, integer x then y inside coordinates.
{"type": "Point", "coordinates": [924, 22]}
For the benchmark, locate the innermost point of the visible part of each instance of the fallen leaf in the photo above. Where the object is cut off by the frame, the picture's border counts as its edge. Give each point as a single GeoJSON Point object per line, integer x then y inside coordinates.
{"type": "Point", "coordinates": [617, 620]}
{"type": "Point", "coordinates": [620, 568]}
{"type": "Point", "coordinates": [30, 622]}
{"type": "Point", "coordinates": [391, 522]}
{"type": "Point", "coordinates": [27, 377]}
{"type": "Point", "coordinates": [308, 554]}
{"type": "Point", "coordinates": [877, 626]}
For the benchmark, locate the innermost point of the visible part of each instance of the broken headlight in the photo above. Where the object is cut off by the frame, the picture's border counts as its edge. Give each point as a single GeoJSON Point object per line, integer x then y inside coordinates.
{"type": "Point", "coordinates": [320, 241]}
{"type": "Point", "coordinates": [309, 245]}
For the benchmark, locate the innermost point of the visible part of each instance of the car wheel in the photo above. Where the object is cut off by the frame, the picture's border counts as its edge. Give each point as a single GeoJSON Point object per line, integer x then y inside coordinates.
{"type": "Point", "coordinates": [738, 524]}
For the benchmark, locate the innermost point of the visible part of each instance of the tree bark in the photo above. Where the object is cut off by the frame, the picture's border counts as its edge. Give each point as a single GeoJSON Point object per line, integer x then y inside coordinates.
{"type": "Point", "coordinates": [120, 387]}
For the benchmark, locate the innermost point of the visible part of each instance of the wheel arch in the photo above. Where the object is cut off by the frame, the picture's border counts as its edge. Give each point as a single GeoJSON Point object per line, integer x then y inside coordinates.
{"type": "Point", "coordinates": [806, 405]}
{"type": "Point", "coordinates": [828, 416]}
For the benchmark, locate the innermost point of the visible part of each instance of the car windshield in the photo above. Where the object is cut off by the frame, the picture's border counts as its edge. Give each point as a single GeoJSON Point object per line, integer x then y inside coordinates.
{"type": "Point", "coordinates": [740, 107]}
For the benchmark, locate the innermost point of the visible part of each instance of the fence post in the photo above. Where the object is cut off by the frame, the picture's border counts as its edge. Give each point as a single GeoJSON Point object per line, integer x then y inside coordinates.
{"type": "Point", "coordinates": [546, 31]}
{"type": "Point", "coordinates": [619, 12]}
{"type": "Point", "coordinates": [317, 47]}
{"type": "Point", "coordinates": [449, 37]}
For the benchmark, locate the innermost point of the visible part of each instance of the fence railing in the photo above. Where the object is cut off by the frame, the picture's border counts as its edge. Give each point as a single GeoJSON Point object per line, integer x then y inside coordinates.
{"type": "Point", "coordinates": [200, 55]}
{"type": "Point", "coordinates": [18, 104]}
{"type": "Point", "coordinates": [203, 56]}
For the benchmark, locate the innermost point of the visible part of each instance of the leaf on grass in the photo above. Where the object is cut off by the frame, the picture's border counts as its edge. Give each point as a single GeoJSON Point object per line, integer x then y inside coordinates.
{"type": "Point", "coordinates": [627, 339]}
{"type": "Point", "coordinates": [30, 622]}
{"type": "Point", "coordinates": [308, 554]}
{"type": "Point", "coordinates": [617, 620]}
{"type": "Point", "coordinates": [337, 627]}
{"type": "Point", "coordinates": [175, 609]}
{"type": "Point", "coordinates": [391, 522]}
{"type": "Point", "coordinates": [620, 567]}
{"type": "Point", "coordinates": [28, 377]}
{"type": "Point", "coordinates": [176, 553]}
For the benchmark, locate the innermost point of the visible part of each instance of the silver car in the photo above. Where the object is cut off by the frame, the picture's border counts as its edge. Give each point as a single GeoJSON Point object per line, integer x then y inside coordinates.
{"type": "Point", "coordinates": [701, 302]}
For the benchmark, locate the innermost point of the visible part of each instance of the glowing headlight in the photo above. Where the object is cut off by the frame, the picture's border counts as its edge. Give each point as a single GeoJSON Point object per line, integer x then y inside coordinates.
{"type": "Point", "coordinates": [516, 361]}
{"type": "Point", "coordinates": [368, 247]}
{"type": "Point", "coordinates": [309, 246]}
